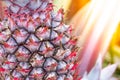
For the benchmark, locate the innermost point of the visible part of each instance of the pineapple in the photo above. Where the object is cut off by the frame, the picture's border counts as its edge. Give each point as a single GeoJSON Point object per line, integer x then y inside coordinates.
{"type": "Point", "coordinates": [35, 44]}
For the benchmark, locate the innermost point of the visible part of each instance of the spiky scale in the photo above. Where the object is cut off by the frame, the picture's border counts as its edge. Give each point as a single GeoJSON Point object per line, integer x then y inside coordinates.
{"type": "Point", "coordinates": [10, 45]}
{"type": "Point", "coordinates": [51, 76]}
{"type": "Point", "coordinates": [24, 68]}
{"type": "Point", "coordinates": [22, 54]}
{"type": "Point", "coordinates": [62, 67]}
{"type": "Point", "coordinates": [37, 73]}
{"type": "Point", "coordinates": [37, 60]}
{"type": "Point", "coordinates": [16, 75]}
{"type": "Point", "coordinates": [50, 64]}
{"type": "Point", "coordinates": [43, 33]}
{"type": "Point", "coordinates": [32, 43]}
{"type": "Point", "coordinates": [20, 35]}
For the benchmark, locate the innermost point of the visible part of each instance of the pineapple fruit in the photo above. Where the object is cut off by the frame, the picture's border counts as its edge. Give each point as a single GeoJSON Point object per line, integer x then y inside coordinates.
{"type": "Point", "coordinates": [35, 44]}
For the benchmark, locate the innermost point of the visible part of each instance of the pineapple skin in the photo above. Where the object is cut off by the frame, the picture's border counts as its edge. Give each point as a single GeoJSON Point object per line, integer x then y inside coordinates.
{"type": "Point", "coordinates": [35, 44]}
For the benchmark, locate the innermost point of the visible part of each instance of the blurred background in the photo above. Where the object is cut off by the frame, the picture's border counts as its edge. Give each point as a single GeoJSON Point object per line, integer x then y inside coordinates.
{"type": "Point", "coordinates": [97, 24]}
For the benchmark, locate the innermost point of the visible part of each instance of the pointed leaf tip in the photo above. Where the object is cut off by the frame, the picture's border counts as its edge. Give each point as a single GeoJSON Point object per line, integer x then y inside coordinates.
{"type": "Point", "coordinates": [96, 70]}
{"type": "Point", "coordinates": [107, 72]}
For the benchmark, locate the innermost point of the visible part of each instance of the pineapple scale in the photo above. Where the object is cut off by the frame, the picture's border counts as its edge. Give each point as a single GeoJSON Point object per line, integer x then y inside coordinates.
{"type": "Point", "coordinates": [35, 44]}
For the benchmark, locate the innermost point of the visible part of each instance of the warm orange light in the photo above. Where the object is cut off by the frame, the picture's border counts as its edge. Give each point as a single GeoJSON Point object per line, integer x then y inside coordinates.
{"type": "Point", "coordinates": [75, 6]}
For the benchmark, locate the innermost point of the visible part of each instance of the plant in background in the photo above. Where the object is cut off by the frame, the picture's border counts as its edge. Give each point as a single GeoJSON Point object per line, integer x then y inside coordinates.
{"type": "Point", "coordinates": [97, 73]}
